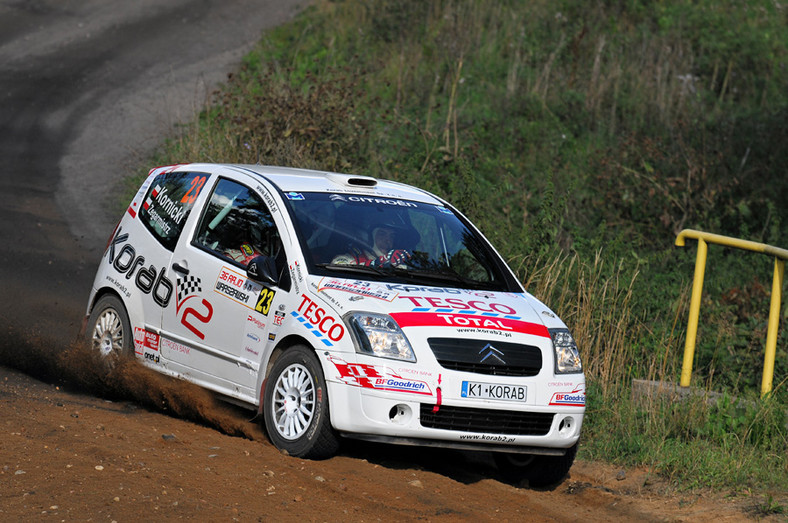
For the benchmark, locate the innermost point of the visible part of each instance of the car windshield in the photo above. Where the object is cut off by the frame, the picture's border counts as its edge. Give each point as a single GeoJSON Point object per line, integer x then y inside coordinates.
{"type": "Point", "coordinates": [395, 240]}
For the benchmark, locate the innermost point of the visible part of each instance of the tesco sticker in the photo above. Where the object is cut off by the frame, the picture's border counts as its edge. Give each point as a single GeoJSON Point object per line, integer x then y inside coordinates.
{"type": "Point", "coordinates": [322, 320]}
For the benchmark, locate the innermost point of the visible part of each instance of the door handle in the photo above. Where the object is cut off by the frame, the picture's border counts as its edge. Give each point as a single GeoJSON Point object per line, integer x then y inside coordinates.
{"type": "Point", "coordinates": [177, 267]}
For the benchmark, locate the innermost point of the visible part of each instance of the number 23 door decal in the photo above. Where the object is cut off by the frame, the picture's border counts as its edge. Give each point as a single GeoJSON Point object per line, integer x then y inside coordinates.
{"type": "Point", "coordinates": [264, 301]}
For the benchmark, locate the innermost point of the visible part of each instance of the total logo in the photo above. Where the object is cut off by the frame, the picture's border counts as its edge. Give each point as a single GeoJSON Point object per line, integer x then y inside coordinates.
{"type": "Point", "coordinates": [468, 321]}
{"type": "Point", "coordinates": [462, 320]}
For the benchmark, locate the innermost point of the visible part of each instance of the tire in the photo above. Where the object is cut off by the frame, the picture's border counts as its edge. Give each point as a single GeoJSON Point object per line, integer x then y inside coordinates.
{"type": "Point", "coordinates": [109, 331]}
{"type": "Point", "coordinates": [540, 471]}
{"type": "Point", "coordinates": [296, 406]}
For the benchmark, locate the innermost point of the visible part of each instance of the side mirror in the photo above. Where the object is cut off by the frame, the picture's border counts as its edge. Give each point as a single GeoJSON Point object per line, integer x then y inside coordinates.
{"type": "Point", "coordinates": [262, 269]}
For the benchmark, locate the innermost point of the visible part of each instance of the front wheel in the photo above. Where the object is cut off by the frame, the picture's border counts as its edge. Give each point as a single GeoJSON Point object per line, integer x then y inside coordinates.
{"type": "Point", "coordinates": [296, 406]}
{"type": "Point", "coordinates": [109, 330]}
{"type": "Point", "coordinates": [540, 471]}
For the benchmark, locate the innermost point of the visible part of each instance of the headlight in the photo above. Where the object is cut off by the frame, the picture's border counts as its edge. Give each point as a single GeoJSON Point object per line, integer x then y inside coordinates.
{"type": "Point", "coordinates": [567, 357]}
{"type": "Point", "coordinates": [379, 335]}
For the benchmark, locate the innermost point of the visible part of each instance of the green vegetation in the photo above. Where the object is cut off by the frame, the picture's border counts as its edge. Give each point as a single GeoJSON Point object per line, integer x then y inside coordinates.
{"type": "Point", "coordinates": [580, 137]}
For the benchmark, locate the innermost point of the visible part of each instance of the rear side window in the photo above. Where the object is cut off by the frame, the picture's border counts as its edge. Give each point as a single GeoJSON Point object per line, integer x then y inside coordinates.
{"type": "Point", "coordinates": [168, 203]}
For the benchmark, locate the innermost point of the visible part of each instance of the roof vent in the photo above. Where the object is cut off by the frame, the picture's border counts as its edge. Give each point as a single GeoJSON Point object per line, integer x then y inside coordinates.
{"type": "Point", "coordinates": [362, 182]}
{"type": "Point", "coordinates": [352, 180]}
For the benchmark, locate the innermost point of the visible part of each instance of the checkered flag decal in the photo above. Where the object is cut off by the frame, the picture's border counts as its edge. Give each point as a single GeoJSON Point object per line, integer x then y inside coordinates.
{"type": "Point", "coordinates": [188, 285]}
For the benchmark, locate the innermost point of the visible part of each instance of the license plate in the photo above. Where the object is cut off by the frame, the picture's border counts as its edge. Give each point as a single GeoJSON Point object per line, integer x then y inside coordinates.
{"type": "Point", "coordinates": [493, 391]}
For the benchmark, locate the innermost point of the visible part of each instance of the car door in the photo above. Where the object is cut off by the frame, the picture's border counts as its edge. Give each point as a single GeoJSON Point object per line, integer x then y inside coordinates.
{"type": "Point", "coordinates": [217, 331]}
{"type": "Point", "coordinates": [142, 245]}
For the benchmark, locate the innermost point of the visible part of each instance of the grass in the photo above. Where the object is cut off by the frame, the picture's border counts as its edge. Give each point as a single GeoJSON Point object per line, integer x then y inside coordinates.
{"type": "Point", "coordinates": [694, 443]}
{"type": "Point", "coordinates": [581, 139]}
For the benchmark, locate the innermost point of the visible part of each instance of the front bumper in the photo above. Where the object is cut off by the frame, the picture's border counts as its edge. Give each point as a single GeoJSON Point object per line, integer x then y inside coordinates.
{"type": "Point", "coordinates": [456, 423]}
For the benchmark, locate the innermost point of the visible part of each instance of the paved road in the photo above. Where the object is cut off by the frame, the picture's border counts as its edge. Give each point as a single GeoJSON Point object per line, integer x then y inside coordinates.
{"type": "Point", "coordinates": [87, 89]}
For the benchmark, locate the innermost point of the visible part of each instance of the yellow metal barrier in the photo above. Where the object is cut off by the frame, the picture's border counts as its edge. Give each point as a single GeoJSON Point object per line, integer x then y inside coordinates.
{"type": "Point", "coordinates": [780, 255]}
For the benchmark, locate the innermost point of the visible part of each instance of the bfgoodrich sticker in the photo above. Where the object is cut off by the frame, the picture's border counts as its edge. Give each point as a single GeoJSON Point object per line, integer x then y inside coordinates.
{"type": "Point", "coordinates": [377, 377]}
{"type": "Point", "coordinates": [575, 398]}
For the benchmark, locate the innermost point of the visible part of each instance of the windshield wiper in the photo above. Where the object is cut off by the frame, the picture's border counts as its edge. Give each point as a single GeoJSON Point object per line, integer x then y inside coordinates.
{"type": "Point", "coordinates": [363, 269]}
{"type": "Point", "coordinates": [430, 277]}
{"type": "Point", "coordinates": [442, 276]}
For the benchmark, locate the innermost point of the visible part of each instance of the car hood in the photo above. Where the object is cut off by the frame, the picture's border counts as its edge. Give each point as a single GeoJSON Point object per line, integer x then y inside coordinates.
{"type": "Point", "coordinates": [423, 306]}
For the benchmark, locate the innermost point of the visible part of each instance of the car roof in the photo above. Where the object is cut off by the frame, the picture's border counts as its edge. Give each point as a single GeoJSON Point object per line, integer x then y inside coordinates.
{"type": "Point", "coordinates": [290, 179]}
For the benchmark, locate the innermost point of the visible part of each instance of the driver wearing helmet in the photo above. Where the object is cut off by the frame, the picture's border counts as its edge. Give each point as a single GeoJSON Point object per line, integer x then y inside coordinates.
{"type": "Point", "coordinates": [383, 253]}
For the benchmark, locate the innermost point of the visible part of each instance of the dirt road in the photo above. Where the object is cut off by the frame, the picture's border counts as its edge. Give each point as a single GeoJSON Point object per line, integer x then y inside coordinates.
{"type": "Point", "coordinates": [87, 87]}
{"type": "Point", "coordinates": [138, 445]}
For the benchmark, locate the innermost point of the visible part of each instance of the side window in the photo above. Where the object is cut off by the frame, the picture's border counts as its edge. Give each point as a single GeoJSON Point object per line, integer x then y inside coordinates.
{"type": "Point", "coordinates": [237, 225]}
{"type": "Point", "coordinates": [168, 203]}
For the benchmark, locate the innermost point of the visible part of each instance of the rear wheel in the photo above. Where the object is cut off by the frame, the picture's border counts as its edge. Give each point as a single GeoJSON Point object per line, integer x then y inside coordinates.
{"type": "Point", "coordinates": [109, 330]}
{"type": "Point", "coordinates": [296, 406]}
{"type": "Point", "coordinates": [540, 471]}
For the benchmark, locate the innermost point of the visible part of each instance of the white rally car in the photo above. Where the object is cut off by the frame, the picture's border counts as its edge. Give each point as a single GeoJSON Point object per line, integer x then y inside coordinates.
{"type": "Point", "coordinates": [339, 305]}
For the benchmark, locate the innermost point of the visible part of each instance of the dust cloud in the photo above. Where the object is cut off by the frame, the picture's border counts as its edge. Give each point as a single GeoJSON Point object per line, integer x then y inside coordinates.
{"type": "Point", "coordinates": [73, 365]}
